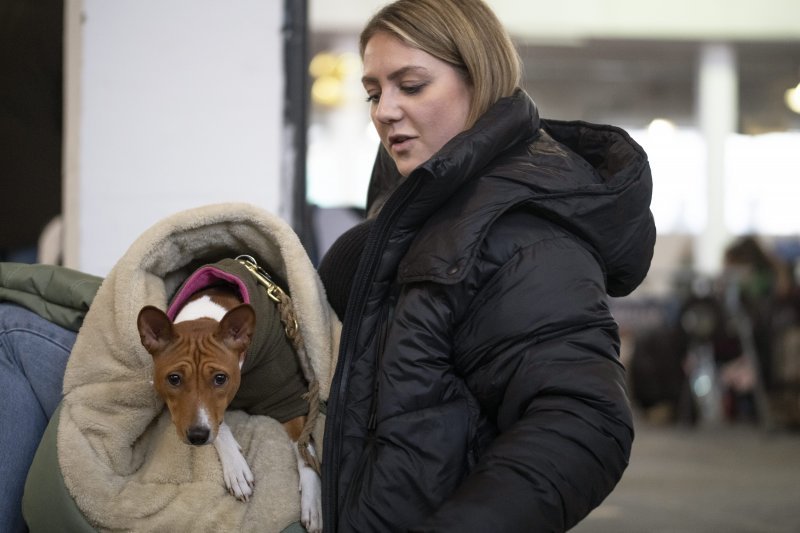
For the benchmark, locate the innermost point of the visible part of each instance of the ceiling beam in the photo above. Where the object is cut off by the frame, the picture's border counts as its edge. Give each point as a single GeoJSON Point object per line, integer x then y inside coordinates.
{"type": "Point", "coordinates": [577, 20]}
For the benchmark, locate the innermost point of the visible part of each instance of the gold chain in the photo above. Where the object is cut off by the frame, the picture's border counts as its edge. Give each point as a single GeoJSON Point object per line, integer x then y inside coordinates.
{"type": "Point", "coordinates": [275, 293]}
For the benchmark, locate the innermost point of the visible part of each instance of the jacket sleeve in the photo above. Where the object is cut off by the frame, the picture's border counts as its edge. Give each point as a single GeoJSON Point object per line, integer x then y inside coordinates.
{"type": "Point", "coordinates": [539, 350]}
{"type": "Point", "coordinates": [58, 294]}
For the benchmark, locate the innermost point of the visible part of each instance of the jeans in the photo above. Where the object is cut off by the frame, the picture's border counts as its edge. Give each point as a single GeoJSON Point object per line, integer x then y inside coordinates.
{"type": "Point", "coordinates": [27, 254]}
{"type": "Point", "coordinates": [33, 356]}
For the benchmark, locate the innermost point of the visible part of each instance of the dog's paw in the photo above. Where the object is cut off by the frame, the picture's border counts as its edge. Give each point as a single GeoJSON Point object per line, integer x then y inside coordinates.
{"type": "Point", "coordinates": [238, 478]}
{"type": "Point", "coordinates": [311, 512]}
{"type": "Point", "coordinates": [310, 500]}
{"type": "Point", "coordinates": [236, 472]}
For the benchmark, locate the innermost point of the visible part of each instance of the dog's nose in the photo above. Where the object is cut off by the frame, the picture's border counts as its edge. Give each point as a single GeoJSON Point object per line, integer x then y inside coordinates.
{"type": "Point", "coordinates": [197, 435]}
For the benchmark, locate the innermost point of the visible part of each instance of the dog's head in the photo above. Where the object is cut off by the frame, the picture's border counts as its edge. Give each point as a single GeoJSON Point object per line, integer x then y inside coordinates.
{"type": "Point", "coordinates": [197, 366]}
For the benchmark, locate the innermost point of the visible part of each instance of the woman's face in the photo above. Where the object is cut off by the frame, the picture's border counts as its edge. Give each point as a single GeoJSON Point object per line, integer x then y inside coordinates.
{"type": "Point", "coordinates": [417, 102]}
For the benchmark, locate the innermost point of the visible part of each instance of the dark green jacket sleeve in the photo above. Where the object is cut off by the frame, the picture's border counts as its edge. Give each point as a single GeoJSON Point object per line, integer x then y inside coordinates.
{"type": "Point", "coordinates": [58, 294]}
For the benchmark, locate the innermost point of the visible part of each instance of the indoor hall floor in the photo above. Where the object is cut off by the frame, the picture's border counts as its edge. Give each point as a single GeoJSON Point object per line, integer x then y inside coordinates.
{"type": "Point", "coordinates": [729, 479]}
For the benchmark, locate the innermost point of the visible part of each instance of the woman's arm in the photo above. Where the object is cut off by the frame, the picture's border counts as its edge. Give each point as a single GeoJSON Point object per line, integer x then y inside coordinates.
{"type": "Point", "coordinates": [539, 352]}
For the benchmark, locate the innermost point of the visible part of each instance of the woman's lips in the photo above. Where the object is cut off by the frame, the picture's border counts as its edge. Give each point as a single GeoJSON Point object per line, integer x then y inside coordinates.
{"type": "Point", "coordinates": [400, 143]}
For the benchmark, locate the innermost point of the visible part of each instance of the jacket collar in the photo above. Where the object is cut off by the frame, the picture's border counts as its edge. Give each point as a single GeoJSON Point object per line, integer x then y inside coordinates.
{"type": "Point", "coordinates": [510, 121]}
{"type": "Point", "coordinates": [593, 180]}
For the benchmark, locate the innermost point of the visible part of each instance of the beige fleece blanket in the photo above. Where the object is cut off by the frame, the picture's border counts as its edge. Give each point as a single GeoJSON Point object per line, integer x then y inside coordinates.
{"type": "Point", "coordinates": [120, 455]}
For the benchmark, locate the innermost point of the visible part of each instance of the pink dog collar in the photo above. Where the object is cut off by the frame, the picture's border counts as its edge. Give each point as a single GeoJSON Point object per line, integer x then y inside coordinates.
{"type": "Point", "coordinates": [202, 278]}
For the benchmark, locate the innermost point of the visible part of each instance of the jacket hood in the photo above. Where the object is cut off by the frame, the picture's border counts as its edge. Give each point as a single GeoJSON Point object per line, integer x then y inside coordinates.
{"type": "Point", "coordinates": [593, 180]}
{"type": "Point", "coordinates": [609, 206]}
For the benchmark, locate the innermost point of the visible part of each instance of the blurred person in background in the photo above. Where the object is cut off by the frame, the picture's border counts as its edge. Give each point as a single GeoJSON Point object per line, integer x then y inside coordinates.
{"type": "Point", "coordinates": [760, 302]}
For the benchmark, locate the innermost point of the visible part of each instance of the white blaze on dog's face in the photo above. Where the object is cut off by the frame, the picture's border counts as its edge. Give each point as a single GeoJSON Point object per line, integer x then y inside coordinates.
{"type": "Point", "coordinates": [196, 366]}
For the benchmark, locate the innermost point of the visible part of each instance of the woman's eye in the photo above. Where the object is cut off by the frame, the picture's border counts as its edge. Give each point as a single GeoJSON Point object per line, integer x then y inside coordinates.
{"type": "Point", "coordinates": [412, 89]}
{"type": "Point", "coordinates": [220, 379]}
{"type": "Point", "coordinates": [174, 379]}
{"type": "Point", "coordinates": [372, 98]}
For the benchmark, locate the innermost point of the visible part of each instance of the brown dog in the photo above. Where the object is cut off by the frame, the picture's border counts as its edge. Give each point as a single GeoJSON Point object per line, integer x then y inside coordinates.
{"type": "Point", "coordinates": [198, 359]}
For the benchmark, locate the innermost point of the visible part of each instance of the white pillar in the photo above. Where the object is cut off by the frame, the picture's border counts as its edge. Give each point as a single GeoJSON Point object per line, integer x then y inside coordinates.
{"type": "Point", "coordinates": [169, 105]}
{"type": "Point", "coordinates": [717, 97]}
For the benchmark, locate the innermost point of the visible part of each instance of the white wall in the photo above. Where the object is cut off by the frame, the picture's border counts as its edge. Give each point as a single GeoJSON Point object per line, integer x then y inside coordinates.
{"type": "Point", "coordinates": [171, 104]}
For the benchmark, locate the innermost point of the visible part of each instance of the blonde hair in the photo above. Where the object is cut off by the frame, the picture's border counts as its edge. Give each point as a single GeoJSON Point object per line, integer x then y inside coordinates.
{"type": "Point", "coordinates": [464, 33]}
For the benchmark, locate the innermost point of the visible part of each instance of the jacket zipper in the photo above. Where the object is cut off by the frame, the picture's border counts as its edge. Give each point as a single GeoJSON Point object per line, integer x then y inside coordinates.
{"type": "Point", "coordinates": [386, 321]}
{"type": "Point", "coordinates": [366, 271]}
{"type": "Point", "coordinates": [372, 424]}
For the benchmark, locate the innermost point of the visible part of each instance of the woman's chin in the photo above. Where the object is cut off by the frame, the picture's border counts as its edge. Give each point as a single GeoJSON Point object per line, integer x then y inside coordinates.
{"type": "Point", "coordinates": [406, 166]}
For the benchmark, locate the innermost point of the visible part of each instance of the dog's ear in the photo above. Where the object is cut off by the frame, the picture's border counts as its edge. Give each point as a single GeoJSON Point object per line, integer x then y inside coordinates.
{"type": "Point", "coordinates": [236, 327]}
{"type": "Point", "coordinates": [155, 329]}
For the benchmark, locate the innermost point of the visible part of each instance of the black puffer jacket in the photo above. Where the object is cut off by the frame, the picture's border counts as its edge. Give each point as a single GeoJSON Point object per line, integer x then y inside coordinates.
{"type": "Point", "coordinates": [478, 386]}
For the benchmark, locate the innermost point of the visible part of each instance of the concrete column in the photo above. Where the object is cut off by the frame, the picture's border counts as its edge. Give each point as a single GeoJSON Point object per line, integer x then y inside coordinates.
{"type": "Point", "coordinates": [717, 97]}
{"type": "Point", "coordinates": [169, 105]}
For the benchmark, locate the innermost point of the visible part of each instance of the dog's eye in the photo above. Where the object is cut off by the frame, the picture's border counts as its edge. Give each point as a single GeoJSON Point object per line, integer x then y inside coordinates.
{"type": "Point", "coordinates": [220, 379]}
{"type": "Point", "coordinates": [174, 379]}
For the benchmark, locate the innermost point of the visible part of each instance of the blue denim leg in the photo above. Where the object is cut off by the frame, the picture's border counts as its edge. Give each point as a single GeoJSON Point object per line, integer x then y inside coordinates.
{"type": "Point", "coordinates": [33, 356]}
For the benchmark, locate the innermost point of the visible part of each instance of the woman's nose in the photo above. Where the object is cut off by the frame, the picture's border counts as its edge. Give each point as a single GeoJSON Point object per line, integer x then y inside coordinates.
{"type": "Point", "coordinates": [388, 110]}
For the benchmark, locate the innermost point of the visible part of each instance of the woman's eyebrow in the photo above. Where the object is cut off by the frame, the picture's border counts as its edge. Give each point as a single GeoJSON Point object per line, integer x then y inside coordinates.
{"type": "Point", "coordinates": [396, 74]}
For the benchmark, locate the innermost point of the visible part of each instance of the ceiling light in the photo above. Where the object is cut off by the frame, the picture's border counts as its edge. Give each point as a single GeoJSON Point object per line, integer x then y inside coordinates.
{"type": "Point", "coordinates": [327, 91]}
{"type": "Point", "coordinates": [792, 98]}
{"type": "Point", "coordinates": [661, 127]}
{"type": "Point", "coordinates": [323, 64]}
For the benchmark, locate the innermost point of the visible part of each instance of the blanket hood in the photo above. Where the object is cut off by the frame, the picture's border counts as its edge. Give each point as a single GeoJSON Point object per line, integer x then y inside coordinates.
{"type": "Point", "coordinates": [120, 457]}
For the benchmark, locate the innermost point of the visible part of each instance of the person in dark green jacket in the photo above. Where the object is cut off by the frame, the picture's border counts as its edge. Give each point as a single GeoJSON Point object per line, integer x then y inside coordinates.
{"type": "Point", "coordinates": [41, 310]}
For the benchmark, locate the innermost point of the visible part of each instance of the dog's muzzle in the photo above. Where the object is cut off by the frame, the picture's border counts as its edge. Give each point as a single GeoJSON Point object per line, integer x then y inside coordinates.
{"type": "Point", "coordinates": [198, 435]}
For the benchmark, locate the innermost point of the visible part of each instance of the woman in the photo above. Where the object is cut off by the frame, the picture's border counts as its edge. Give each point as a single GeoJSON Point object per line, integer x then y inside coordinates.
{"type": "Point", "coordinates": [478, 386]}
